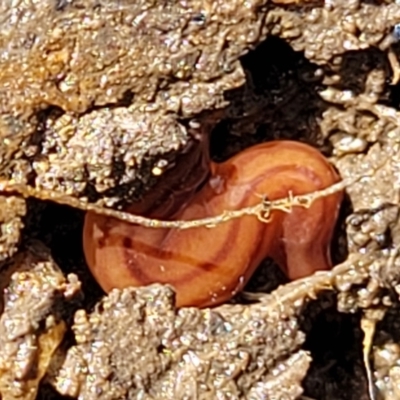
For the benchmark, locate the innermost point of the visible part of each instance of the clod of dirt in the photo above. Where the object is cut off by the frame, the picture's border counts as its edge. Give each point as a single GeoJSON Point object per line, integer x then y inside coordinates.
{"type": "Point", "coordinates": [32, 324]}
{"type": "Point", "coordinates": [173, 354]}
{"type": "Point", "coordinates": [105, 101]}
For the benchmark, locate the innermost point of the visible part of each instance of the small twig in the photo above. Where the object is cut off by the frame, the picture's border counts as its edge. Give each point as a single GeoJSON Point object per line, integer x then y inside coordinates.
{"type": "Point", "coordinates": [261, 210]}
{"type": "Point", "coordinates": [368, 325]}
{"type": "Point", "coordinates": [286, 298]}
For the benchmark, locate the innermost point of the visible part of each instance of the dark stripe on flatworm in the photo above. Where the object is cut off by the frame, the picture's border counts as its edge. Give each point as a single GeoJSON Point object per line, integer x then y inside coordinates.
{"type": "Point", "coordinates": [127, 242]}
{"type": "Point", "coordinates": [101, 242]}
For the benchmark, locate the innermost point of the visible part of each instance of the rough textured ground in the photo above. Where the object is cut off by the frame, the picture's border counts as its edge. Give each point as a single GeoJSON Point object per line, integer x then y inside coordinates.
{"type": "Point", "coordinates": [102, 100]}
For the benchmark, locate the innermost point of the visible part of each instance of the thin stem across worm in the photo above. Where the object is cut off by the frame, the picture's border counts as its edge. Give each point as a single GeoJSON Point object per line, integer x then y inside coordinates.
{"type": "Point", "coordinates": [261, 210]}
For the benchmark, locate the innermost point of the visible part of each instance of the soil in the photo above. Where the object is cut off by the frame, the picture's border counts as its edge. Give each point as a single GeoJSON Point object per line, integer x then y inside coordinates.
{"type": "Point", "coordinates": [98, 97]}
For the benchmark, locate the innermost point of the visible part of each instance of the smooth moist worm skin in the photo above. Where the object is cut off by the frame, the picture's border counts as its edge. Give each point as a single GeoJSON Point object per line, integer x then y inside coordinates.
{"type": "Point", "coordinates": [208, 266]}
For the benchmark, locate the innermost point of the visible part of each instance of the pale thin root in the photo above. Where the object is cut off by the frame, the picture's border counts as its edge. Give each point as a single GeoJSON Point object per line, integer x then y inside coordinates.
{"type": "Point", "coordinates": [264, 216]}
{"type": "Point", "coordinates": [310, 286]}
{"type": "Point", "coordinates": [262, 210]}
{"type": "Point", "coordinates": [368, 325]}
{"type": "Point", "coordinates": [287, 296]}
